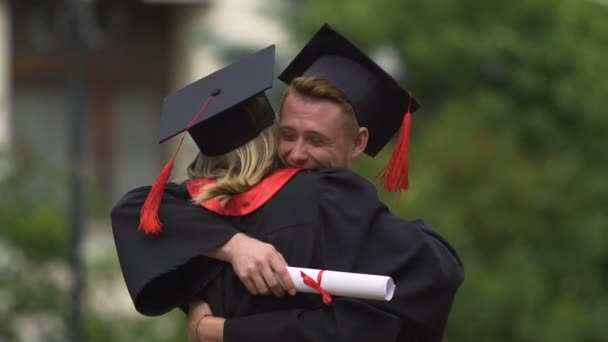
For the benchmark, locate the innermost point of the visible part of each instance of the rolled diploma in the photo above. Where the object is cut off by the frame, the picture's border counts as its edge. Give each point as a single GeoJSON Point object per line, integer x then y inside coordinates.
{"type": "Point", "coordinates": [346, 284]}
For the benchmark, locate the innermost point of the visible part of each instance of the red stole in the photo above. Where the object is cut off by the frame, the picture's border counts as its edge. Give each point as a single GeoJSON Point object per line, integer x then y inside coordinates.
{"type": "Point", "coordinates": [247, 202]}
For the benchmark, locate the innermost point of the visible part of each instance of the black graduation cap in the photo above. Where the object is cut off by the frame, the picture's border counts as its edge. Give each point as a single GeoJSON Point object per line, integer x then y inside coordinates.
{"type": "Point", "coordinates": [213, 110]}
{"type": "Point", "coordinates": [224, 124]}
{"type": "Point", "coordinates": [380, 103]}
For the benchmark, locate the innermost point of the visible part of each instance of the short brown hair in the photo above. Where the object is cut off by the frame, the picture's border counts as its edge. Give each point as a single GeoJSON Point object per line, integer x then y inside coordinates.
{"type": "Point", "coordinates": [318, 88]}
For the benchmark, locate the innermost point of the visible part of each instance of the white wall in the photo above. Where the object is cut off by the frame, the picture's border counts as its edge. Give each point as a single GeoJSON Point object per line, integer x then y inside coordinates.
{"type": "Point", "coordinates": [135, 152]}
{"type": "Point", "coordinates": [39, 125]}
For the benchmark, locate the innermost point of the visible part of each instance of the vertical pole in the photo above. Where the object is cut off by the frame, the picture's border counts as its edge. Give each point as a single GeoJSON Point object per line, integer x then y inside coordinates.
{"type": "Point", "coordinates": [5, 77]}
{"type": "Point", "coordinates": [77, 84]}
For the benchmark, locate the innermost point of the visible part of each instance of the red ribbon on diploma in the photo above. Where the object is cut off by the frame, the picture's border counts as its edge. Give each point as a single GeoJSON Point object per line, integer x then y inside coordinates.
{"type": "Point", "coordinates": [317, 286]}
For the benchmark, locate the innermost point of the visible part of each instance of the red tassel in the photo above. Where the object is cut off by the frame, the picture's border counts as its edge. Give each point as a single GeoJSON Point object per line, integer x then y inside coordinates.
{"type": "Point", "coordinates": [148, 217]}
{"type": "Point", "coordinates": [395, 174]}
{"type": "Point", "coordinates": [148, 220]}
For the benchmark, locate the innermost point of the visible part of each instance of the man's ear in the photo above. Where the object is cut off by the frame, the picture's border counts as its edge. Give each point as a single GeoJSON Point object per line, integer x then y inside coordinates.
{"type": "Point", "coordinates": [360, 142]}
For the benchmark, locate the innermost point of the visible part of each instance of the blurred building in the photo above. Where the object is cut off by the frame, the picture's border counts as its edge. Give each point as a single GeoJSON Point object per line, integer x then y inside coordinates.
{"type": "Point", "coordinates": [137, 52]}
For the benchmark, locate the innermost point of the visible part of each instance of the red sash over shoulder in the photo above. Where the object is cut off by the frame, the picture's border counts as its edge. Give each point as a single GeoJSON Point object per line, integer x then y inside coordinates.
{"type": "Point", "coordinates": [246, 202]}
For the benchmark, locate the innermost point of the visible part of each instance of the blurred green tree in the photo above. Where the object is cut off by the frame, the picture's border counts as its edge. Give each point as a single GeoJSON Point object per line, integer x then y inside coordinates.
{"type": "Point", "coordinates": [509, 151]}
{"type": "Point", "coordinates": [34, 275]}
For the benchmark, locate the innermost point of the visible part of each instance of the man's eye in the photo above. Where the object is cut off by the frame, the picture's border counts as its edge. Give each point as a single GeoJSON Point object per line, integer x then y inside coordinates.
{"type": "Point", "coordinates": [317, 141]}
{"type": "Point", "coordinates": [288, 136]}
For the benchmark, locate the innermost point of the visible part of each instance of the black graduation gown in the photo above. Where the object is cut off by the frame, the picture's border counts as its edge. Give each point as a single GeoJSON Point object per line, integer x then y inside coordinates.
{"type": "Point", "coordinates": [330, 219]}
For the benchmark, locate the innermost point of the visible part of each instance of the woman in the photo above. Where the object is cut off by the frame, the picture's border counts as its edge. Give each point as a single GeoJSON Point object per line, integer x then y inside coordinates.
{"type": "Point", "coordinates": [235, 132]}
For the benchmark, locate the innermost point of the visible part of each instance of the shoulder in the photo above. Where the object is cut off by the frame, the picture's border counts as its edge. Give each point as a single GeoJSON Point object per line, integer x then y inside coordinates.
{"type": "Point", "coordinates": [136, 197]}
{"type": "Point", "coordinates": [335, 185]}
{"type": "Point", "coordinates": [344, 178]}
{"type": "Point", "coordinates": [311, 189]}
{"type": "Point", "coordinates": [338, 180]}
{"type": "Point", "coordinates": [332, 176]}
{"type": "Point", "coordinates": [177, 190]}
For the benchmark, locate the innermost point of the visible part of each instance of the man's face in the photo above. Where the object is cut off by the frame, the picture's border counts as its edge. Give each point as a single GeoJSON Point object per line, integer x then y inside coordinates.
{"type": "Point", "coordinates": [313, 134]}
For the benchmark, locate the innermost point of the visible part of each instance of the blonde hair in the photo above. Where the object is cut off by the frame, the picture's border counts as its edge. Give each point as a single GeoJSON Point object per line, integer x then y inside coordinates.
{"type": "Point", "coordinates": [318, 88]}
{"type": "Point", "coordinates": [239, 170]}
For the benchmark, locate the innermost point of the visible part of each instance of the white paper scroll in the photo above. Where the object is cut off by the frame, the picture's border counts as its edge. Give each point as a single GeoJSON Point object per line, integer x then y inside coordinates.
{"type": "Point", "coordinates": [355, 285]}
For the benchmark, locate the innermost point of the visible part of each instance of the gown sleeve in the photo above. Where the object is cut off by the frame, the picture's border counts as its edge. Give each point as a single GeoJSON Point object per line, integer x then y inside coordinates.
{"type": "Point", "coordinates": [150, 263]}
{"type": "Point", "coordinates": [359, 234]}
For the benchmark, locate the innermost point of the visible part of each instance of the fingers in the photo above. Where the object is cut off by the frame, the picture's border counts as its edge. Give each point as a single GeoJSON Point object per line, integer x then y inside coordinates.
{"type": "Point", "coordinates": [252, 280]}
{"type": "Point", "coordinates": [261, 268]}
{"type": "Point", "coordinates": [280, 269]}
{"type": "Point", "coordinates": [260, 284]}
{"type": "Point", "coordinates": [249, 285]}
{"type": "Point", "coordinates": [263, 282]}
{"type": "Point", "coordinates": [272, 282]}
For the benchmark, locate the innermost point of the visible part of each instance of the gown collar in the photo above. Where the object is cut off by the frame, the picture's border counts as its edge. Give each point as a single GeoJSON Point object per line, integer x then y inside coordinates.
{"type": "Point", "coordinates": [247, 202]}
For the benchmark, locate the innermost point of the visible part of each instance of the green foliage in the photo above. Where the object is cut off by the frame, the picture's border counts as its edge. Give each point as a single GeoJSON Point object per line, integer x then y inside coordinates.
{"type": "Point", "coordinates": [33, 208]}
{"type": "Point", "coordinates": [32, 217]}
{"type": "Point", "coordinates": [40, 231]}
{"type": "Point", "coordinates": [509, 152]}
{"type": "Point", "coordinates": [169, 327]}
{"type": "Point", "coordinates": [39, 291]}
{"type": "Point", "coordinates": [35, 281]}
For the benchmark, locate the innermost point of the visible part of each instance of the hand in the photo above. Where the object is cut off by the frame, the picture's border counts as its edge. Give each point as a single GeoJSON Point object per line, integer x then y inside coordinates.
{"type": "Point", "coordinates": [258, 264]}
{"type": "Point", "coordinates": [198, 310]}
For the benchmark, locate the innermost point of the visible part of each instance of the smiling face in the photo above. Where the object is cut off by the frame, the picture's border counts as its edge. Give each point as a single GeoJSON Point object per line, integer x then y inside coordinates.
{"type": "Point", "coordinates": [316, 132]}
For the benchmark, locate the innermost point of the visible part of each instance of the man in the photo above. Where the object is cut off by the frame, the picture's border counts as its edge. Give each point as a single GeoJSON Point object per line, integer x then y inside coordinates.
{"type": "Point", "coordinates": [321, 130]}
{"type": "Point", "coordinates": [339, 104]}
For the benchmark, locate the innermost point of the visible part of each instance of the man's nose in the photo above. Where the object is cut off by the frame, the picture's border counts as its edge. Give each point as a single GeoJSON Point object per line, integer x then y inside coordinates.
{"type": "Point", "coordinates": [298, 155]}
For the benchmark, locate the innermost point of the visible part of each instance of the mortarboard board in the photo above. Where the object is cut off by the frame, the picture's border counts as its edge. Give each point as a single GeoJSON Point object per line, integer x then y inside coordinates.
{"type": "Point", "coordinates": [214, 111]}
{"type": "Point", "coordinates": [225, 123]}
{"type": "Point", "coordinates": [380, 103]}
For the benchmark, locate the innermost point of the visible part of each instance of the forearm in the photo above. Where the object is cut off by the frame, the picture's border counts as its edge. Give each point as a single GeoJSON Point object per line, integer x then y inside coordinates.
{"type": "Point", "coordinates": [226, 251]}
